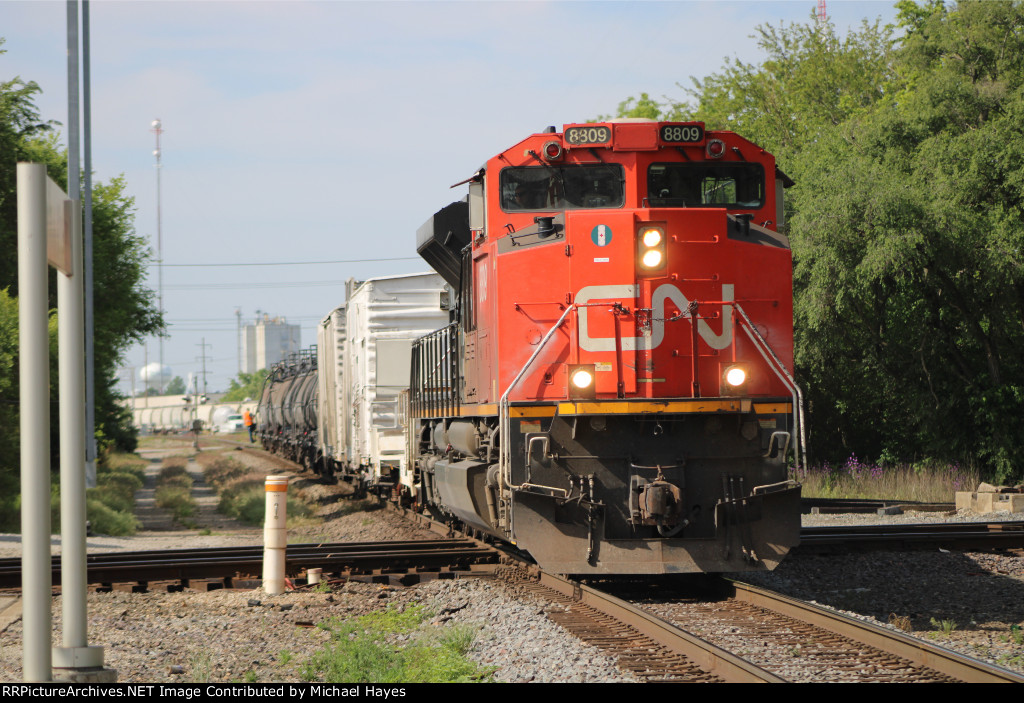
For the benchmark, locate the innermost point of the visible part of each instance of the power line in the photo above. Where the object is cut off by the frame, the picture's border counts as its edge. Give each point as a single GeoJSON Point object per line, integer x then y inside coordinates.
{"type": "Point", "coordinates": [176, 320]}
{"type": "Point", "coordinates": [292, 263]}
{"type": "Point", "coordinates": [251, 284]}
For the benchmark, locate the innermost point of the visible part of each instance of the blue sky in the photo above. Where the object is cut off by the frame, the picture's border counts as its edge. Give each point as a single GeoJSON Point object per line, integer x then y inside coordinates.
{"type": "Point", "coordinates": [326, 131]}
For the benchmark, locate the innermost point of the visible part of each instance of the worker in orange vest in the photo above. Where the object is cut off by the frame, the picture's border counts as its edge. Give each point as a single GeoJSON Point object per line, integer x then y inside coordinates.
{"type": "Point", "coordinates": [250, 424]}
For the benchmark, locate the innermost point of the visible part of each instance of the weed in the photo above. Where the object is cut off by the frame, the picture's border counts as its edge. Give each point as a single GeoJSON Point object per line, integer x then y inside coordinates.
{"type": "Point", "coordinates": [200, 664]}
{"type": "Point", "coordinates": [174, 464]}
{"type": "Point", "coordinates": [1016, 634]}
{"type": "Point", "coordinates": [205, 531]}
{"type": "Point", "coordinates": [250, 676]}
{"type": "Point", "coordinates": [106, 521]}
{"type": "Point", "coordinates": [285, 657]}
{"type": "Point", "coordinates": [174, 490]}
{"type": "Point", "coordinates": [900, 622]}
{"type": "Point", "coordinates": [363, 651]}
{"type": "Point", "coordinates": [323, 587]}
{"type": "Point", "coordinates": [926, 481]}
{"type": "Point", "coordinates": [176, 499]}
{"type": "Point", "coordinates": [946, 627]}
{"type": "Point", "coordinates": [1011, 660]}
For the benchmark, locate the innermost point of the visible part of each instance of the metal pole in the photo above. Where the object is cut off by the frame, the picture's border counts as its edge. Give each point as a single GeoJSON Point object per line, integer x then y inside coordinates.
{"type": "Point", "coordinates": [34, 377]}
{"type": "Point", "coordinates": [90, 356]}
{"type": "Point", "coordinates": [70, 294]}
{"type": "Point", "coordinates": [71, 365]}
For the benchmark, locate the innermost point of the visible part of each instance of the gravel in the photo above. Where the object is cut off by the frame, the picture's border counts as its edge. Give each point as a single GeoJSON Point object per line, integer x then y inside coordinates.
{"type": "Point", "coordinates": [230, 635]}
{"type": "Point", "coordinates": [980, 593]}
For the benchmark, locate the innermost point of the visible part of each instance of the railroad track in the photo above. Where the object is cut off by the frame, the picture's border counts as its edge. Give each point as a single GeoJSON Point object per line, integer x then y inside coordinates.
{"type": "Point", "coordinates": [664, 636]}
{"type": "Point", "coordinates": [954, 536]}
{"type": "Point", "coordinates": [239, 564]}
{"type": "Point", "coordinates": [869, 505]}
{"type": "Point", "coordinates": [751, 635]}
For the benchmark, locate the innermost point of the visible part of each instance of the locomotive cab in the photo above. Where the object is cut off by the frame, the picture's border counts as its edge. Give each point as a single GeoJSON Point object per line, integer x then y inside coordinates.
{"type": "Point", "coordinates": [616, 395]}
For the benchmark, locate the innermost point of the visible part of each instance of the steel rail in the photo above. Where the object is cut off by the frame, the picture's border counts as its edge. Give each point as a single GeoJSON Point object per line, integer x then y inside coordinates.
{"type": "Point", "coordinates": [959, 536]}
{"type": "Point", "coordinates": [868, 505]}
{"type": "Point", "coordinates": [219, 562]}
{"type": "Point", "coordinates": [1009, 527]}
{"type": "Point", "coordinates": [305, 548]}
{"type": "Point", "coordinates": [705, 655]}
{"type": "Point", "coordinates": [917, 651]}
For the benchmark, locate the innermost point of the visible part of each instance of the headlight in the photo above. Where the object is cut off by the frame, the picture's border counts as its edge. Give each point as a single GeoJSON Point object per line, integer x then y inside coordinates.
{"type": "Point", "coordinates": [651, 247]}
{"type": "Point", "coordinates": [581, 378]}
{"type": "Point", "coordinates": [582, 383]}
{"type": "Point", "coordinates": [651, 237]}
{"type": "Point", "coordinates": [735, 376]}
{"type": "Point", "coordinates": [651, 259]}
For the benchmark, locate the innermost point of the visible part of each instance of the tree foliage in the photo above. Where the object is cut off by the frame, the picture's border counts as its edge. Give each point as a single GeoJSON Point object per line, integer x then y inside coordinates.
{"type": "Point", "coordinates": [123, 307]}
{"type": "Point", "coordinates": [247, 385]}
{"type": "Point", "coordinates": [176, 386]}
{"type": "Point", "coordinates": [906, 143]}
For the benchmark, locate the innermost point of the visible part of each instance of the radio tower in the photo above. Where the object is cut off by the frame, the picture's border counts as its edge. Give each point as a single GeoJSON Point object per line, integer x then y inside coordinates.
{"type": "Point", "coordinates": [822, 14]}
{"type": "Point", "coordinates": [158, 130]}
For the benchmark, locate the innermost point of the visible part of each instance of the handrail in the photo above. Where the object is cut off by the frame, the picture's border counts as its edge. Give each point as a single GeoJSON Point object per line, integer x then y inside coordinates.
{"type": "Point", "coordinates": [783, 373]}
{"type": "Point", "coordinates": [504, 412]}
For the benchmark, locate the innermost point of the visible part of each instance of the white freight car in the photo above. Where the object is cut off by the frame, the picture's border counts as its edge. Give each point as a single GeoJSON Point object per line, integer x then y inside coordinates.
{"type": "Point", "coordinates": [364, 349]}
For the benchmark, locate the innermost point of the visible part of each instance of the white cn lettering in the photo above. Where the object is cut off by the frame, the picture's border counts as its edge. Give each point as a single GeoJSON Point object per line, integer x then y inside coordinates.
{"type": "Point", "coordinates": [626, 294]}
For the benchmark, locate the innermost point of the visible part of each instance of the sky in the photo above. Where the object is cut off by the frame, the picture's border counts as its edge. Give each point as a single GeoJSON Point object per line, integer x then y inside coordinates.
{"type": "Point", "coordinates": [317, 136]}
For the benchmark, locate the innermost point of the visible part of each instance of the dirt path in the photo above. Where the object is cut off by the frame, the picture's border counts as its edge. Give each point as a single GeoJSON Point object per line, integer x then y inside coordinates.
{"type": "Point", "coordinates": [152, 518]}
{"type": "Point", "coordinates": [155, 519]}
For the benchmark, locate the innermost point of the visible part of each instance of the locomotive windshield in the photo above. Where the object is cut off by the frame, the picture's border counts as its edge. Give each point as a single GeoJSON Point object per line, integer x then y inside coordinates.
{"type": "Point", "coordinates": [728, 185]}
{"type": "Point", "coordinates": [568, 187]}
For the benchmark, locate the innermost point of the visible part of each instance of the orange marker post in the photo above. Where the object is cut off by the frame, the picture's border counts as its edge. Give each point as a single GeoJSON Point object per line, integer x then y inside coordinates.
{"type": "Point", "coordinates": [275, 534]}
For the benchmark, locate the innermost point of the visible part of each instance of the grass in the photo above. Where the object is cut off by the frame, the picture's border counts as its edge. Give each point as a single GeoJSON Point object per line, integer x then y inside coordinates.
{"type": "Point", "coordinates": [242, 494]}
{"type": "Point", "coordinates": [901, 622]}
{"type": "Point", "coordinates": [945, 627]}
{"type": "Point", "coordinates": [200, 666]}
{"type": "Point", "coordinates": [110, 506]}
{"type": "Point", "coordinates": [367, 650]}
{"type": "Point", "coordinates": [174, 489]}
{"type": "Point", "coordinates": [924, 482]}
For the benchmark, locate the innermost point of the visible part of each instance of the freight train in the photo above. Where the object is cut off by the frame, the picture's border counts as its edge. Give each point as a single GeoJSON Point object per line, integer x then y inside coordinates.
{"type": "Point", "coordinates": [599, 371]}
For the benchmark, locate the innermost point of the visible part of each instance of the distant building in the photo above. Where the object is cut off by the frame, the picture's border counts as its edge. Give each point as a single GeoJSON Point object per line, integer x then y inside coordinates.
{"type": "Point", "coordinates": [267, 342]}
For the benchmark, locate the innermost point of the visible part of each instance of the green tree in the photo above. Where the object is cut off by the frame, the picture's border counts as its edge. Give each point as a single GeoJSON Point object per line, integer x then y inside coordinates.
{"type": "Point", "coordinates": [123, 306]}
{"type": "Point", "coordinates": [123, 309]}
{"type": "Point", "coordinates": [176, 386]}
{"type": "Point", "coordinates": [646, 106]}
{"type": "Point", "coordinates": [908, 153]}
{"type": "Point", "coordinates": [247, 385]}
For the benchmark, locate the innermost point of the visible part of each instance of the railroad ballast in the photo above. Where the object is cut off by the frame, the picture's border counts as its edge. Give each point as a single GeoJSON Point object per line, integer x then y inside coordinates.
{"type": "Point", "coordinates": [599, 371]}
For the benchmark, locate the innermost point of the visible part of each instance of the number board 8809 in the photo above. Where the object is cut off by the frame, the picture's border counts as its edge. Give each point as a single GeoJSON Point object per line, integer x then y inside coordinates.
{"type": "Point", "coordinates": [681, 133]}
{"type": "Point", "coordinates": [588, 135]}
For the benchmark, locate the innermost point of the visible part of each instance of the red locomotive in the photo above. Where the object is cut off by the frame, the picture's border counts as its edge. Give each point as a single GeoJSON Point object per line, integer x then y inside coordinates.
{"type": "Point", "coordinates": [615, 393]}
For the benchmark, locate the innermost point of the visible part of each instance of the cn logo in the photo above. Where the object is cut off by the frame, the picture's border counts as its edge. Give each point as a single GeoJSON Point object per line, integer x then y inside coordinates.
{"type": "Point", "coordinates": [652, 338]}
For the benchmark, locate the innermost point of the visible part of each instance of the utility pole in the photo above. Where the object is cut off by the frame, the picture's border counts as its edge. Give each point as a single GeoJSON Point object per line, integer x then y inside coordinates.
{"type": "Point", "coordinates": [158, 130]}
{"type": "Point", "coordinates": [238, 318]}
{"type": "Point", "coordinates": [203, 358]}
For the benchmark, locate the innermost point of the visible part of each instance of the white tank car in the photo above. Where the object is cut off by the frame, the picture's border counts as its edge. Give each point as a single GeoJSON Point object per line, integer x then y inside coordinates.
{"type": "Point", "coordinates": [364, 350]}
